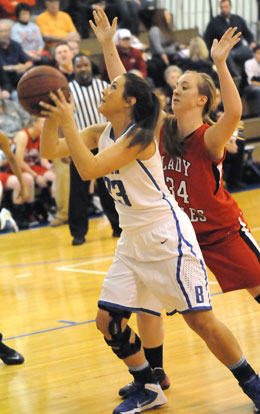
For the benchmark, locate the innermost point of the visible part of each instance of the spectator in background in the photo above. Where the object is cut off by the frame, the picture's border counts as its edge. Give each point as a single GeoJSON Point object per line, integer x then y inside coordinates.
{"type": "Point", "coordinates": [161, 36]}
{"type": "Point", "coordinates": [74, 46]}
{"type": "Point", "coordinates": [250, 83]}
{"type": "Point", "coordinates": [55, 25]}
{"type": "Point", "coordinates": [159, 92]}
{"type": "Point", "coordinates": [7, 8]}
{"type": "Point", "coordinates": [12, 56]}
{"type": "Point", "coordinates": [217, 27]}
{"type": "Point", "coordinates": [135, 41]}
{"type": "Point", "coordinates": [27, 149]}
{"type": "Point", "coordinates": [128, 15]}
{"type": "Point", "coordinates": [5, 84]}
{"type": "Point", "coordinates": [130, 57]}
{"type": "Point", "coordinates": [235, 149]}
{"type": "Point", "coordinates": [12, 117]}
{"type": "Point", "coordinates": [16, 181]}
{"type": "Point", "coordinates": [162, 45]}
{"type": "Point", "coordinates": [198, 59]}
{"type": "Point", "coordinates": [28, 34]}
{"type": "Point", "coordinates": [171, 75]}
{"type": "Point", "coordinates": [234, 161]}
{"type": "Point", "coordinates": [63, 57]}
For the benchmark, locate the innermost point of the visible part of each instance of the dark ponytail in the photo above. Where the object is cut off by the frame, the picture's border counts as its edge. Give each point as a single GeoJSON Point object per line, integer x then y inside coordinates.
{"type": "Point", "coordinates": [145, 111]}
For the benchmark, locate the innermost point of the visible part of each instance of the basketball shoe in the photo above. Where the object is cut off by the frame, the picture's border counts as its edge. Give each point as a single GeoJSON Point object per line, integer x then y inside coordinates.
{"type": "Point", "coordinates": [160, 376]}
{"type": "Point", "coordinates": [252, 390]}
{"type": "Point", "coordinates": [8, 355]}
{"type": "Point", "coordinates": [6, 221]}
{"type": "Point", "coordinates": [145, 397]}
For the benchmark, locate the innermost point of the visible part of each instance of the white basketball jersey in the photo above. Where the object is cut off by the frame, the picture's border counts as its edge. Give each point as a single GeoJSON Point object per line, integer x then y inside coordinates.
{"type": "Point", "coordinates": [139, 190]}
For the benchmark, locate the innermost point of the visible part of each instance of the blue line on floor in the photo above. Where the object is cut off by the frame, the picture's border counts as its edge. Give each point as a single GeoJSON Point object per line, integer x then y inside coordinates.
{"type": "Point", "coordinates": [70, 324]}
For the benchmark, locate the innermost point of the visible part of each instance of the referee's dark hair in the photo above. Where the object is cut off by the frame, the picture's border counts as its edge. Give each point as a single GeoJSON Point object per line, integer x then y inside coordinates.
{"type": "Point", "coordinates": [80, 54]}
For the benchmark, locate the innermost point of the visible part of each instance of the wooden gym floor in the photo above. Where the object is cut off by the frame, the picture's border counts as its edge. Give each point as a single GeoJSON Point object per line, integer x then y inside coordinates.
{"type": "Point", "coordinates": [49, 291]}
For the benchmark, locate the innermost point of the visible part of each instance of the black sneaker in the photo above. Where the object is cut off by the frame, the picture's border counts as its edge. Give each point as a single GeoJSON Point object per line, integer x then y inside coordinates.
{"type": "Point", "coordinates": [160, 376]}
{"type": "Point", "coordinates": [8, 355]}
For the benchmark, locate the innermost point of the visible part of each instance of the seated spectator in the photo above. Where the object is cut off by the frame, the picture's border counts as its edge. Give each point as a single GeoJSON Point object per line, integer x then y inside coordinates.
{"type": "Point", "coordinates": [12, 117]}
{"type": "Point", "coordinates": [217, 27]}
{"type": "Point", "coordinates": [135, 42]}
{"type": "Point", "coordinates": [7, 8]}
{"type": "Point", "coordinates": [128, 15]}
{"type": "Point", "coordinates": [235, 150]}
{"type": "Point", "coordinates": [130, 57]}
{"type": "Point", "coordinates": [162, 45]}
{"type": "Point", "coordinates": [198, 59]}
{"type": "Point", "coordinates": [250, 83]}
{"type": "Point", "coordinates": [171, 75]}
{"type": "Point", "coordinates": [83, 12]}
{"type": "Point", "coordinates": [159, 92]}
{"type": "Point", "coordinates": [74, 46]}
{"type": "Point", "coordinates": [27, 149]}
{"type": "Point", "coordinates": [5, 84]}
{"type": "Point", "coordinates": [28, 34]}
{"type": "Point", "coordinates": [161, 36]}
{"type": "Point", "coordinates": [55, 25]}
{"type": "Point", "coordinates": [12, 56]}
{"type": "Point", "coordinates": [63, 57]}
{"type": "Point", "coordinates": [234, 161]}
{"type": "Point", "coordinates": [15, 181]}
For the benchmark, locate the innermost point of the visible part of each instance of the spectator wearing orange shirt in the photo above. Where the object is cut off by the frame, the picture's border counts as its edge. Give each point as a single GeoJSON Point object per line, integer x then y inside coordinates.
{"type": "Point", "coordinates": [56, 26]}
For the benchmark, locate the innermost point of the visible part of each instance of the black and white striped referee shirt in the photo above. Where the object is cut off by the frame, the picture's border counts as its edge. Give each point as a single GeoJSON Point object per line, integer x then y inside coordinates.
{"type": "Point", "coordinates": [87, 98]}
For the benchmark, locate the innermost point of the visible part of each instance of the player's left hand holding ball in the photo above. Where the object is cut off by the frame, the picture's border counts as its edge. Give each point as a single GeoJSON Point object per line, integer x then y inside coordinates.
{"type": "Point", "coordinates": [61, 110]}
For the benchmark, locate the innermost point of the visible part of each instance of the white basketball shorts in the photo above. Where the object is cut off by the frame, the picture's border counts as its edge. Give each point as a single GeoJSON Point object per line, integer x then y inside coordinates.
{"type": "Point", "coordinates": [160, 268]}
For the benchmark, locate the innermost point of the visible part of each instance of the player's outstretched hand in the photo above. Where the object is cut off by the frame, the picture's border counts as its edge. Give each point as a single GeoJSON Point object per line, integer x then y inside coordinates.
{"type": "Point", "coordinates": [61, 110]}
{"type": "Point", "coordinates": [102, 28]}
{"type": "Point", "coordinates": [220, 49]}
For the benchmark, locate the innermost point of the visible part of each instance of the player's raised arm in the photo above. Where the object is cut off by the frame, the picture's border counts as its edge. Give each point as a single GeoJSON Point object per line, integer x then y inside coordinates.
{"type": "Point", "coordinates": [218, 135]}
{"type": "Point", "coordinates": [105, 35]}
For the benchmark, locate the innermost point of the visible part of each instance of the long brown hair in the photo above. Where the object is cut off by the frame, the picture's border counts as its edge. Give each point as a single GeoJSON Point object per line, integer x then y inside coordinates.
{"type": "Point", "coordinates": [159, 20]}
{"type": "Point", "coordinates": [173, 144]}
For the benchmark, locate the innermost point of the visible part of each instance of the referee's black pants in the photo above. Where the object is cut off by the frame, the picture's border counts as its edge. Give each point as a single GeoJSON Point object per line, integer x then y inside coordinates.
{"type": "Point", "coordinates": [79, 202]}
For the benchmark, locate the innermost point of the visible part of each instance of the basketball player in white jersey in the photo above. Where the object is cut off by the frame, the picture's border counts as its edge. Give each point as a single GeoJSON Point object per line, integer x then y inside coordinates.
{"type": "Point", "coordinates": [158, 263]}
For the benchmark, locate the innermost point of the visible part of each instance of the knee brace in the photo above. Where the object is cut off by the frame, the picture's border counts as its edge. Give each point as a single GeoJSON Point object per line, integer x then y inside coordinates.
{"type": "Point", "coordinates": [120, 340]}
{"type": "Point", "coordinates": [121, 346]}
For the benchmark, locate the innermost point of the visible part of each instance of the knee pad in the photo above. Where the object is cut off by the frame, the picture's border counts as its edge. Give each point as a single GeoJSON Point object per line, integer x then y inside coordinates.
{"type": "Point", "coordinates": [121, 346]}
{"type": "Point", "coordinates": [120, 340]}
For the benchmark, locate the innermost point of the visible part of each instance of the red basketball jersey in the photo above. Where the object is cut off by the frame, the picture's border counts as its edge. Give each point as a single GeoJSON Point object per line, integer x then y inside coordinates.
{"type": "Point", "coordinates": [196, 181]}
{"type": "Point", "coordinates": [32, 150]}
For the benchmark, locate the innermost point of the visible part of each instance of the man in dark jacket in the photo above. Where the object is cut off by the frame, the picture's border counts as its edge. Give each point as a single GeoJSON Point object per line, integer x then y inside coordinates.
{"type": "Point", "coordinates": [217, 27]}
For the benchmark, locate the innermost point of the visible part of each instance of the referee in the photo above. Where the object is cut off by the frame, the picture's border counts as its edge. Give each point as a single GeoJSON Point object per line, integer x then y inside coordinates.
{"type": "Point", "coordinates": [87, 93]}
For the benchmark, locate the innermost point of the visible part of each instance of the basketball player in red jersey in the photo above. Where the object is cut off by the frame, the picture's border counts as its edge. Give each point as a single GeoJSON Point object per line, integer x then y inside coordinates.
{"type": "Point", "coordinates": [193, 149]}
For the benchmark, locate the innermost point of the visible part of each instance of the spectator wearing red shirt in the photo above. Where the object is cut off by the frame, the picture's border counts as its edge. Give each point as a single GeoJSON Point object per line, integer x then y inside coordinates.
{"type": "Point", "coordinates": [130, 57]}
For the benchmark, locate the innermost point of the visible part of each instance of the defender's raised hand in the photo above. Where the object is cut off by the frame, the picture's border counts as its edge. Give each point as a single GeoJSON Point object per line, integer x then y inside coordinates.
{"type": "Point", "coordinates": [220, 49]}
{"type": "Point", "coordinates": [102, 28]}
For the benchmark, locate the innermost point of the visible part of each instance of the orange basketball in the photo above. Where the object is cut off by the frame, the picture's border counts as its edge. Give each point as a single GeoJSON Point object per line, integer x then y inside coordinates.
{"type": "Point", "coordinates": [36, 84]}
